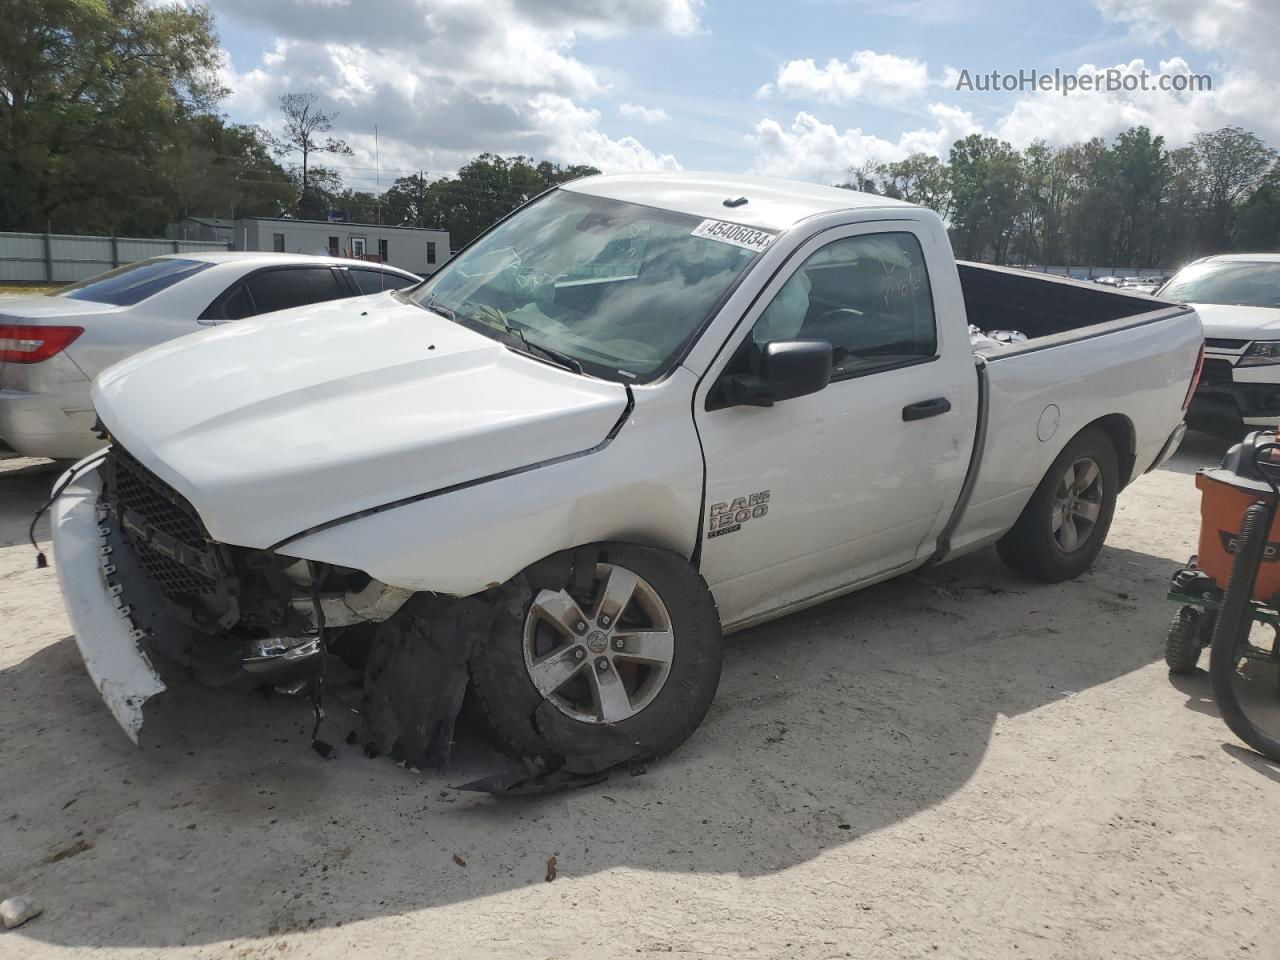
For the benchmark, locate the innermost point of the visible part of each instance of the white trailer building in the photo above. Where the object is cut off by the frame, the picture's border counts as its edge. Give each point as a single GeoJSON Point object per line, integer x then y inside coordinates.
{"type": "Point", "coordinates": [418, 249]}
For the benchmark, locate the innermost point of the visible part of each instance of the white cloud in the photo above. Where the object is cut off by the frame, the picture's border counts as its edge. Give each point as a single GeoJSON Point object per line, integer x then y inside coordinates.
{"type": "Point", "coordinates": [634, 111]}
{"type": "Point", "coordinates": [1247, 32]}
{"type": "Point", "coordinates": [1248, 29]}
{"type": "Point", "coordinates": [1241, 35]}
{"type": "Point", "coordinates": [809, 149]}
{"type": "Point", "coordinates": [951, 124]}
{"type": "Point", "coordinates": [1236, 98]}
{"type": "Point", "coordinates": [867, 75]}
{"type": "Point", "coordinates": [445, 79]}
{"type": "Point", "coordinates": [573, 129]}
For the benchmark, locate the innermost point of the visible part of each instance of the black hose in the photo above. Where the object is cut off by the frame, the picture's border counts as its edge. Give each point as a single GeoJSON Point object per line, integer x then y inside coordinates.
{"type": "Point", "coordinates": [1235, 618]}
{"type": "Point", "coordinates": [325, 750]}
{"type": "Point", "coordinates": [41, 560]}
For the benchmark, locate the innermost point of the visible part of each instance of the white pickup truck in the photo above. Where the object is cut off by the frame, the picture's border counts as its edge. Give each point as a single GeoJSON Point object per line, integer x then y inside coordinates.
{"type": "Point", "coordinates": [637, 414]}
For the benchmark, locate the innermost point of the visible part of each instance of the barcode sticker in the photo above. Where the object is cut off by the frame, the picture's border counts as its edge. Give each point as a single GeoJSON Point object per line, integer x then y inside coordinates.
{"type": "Point", "coordinates": [748, 238]}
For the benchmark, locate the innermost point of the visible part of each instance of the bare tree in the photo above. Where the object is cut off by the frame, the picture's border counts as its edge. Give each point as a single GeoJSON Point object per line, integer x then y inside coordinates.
{"type": "Point", "coordinates": [304, 122]}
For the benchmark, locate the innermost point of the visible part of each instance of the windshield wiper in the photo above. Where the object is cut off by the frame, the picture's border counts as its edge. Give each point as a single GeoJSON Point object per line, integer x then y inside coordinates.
{"type": "Point", "coordinates": [495, 318]}
{"type": "Point", "coordinates": [555, 356]}
{"type": "Point", "coordinates": [435, 306]}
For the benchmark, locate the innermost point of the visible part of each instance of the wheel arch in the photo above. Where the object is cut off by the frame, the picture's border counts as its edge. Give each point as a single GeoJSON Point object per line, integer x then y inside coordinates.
{"type": "Point", "coordinates": [1120, 431]}
{"type": "Point", "coordinates": [559, 563]}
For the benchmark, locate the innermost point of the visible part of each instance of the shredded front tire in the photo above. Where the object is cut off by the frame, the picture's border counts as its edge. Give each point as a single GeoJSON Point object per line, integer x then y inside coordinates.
{"type": "Point", "coordinates": [604, 645]}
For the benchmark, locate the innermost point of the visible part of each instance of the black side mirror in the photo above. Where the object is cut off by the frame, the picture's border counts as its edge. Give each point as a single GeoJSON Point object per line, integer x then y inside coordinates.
{"type": "Point", "coordinates": [790, 368]}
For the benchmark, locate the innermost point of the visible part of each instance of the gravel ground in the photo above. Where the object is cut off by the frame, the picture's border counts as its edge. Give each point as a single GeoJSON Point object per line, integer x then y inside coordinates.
{"type": "Point", "coordinates": [953, 764]}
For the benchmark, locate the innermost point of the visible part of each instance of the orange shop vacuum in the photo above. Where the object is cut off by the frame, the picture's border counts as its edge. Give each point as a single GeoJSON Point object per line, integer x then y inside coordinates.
{"type": "Point", "coordinates": [1233, 581]}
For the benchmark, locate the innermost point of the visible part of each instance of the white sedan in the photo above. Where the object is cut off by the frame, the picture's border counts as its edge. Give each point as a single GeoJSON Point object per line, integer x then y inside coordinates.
{"type": "Point", "coordinates": [52, 346]}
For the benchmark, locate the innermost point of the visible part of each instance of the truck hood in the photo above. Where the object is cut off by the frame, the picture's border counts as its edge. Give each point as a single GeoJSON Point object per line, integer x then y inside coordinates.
{"type": "Point", "coordinates": [270, 427]}
{"type": "Point", "coordinates": [1227, 321]}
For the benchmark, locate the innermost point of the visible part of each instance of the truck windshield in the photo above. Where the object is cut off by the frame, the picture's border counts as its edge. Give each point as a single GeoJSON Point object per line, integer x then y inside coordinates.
{"type": "Point", "coordinates": [1248, 283]}
{"type": "Point", "coordinates": [617, 288]}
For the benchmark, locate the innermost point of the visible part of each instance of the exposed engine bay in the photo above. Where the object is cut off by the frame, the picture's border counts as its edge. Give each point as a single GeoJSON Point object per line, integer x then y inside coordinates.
{"type": "Point", "coordinates": [225, 609]}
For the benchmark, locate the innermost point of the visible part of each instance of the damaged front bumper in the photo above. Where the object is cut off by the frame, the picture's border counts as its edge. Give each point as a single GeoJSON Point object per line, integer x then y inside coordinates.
{"type": "Point", "coordinates": [140, 597]}
{"type": "Point", "coordinates": [105, 634]}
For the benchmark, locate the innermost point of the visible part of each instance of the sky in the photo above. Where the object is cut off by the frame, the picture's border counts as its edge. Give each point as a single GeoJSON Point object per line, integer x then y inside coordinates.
{"type": "Point", "coordinates": [803, 89]}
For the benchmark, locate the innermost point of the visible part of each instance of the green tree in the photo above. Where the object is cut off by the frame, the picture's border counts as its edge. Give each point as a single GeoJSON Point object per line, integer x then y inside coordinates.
{"type": "Point", "coordinates": [1182, 211]}
{"type": "Point", "coordinates": [986, 194]}
{"type": "Point", "coordinates": [1141, 172]}
{"type": "Point", "coordinates": [487, 189]}
{"type": "Point", "coordinates": [406, 201]}
{"type": "Point", "coordinates": [1258, 218]}
{"type": "Point", "coordinates": [920, 178]}
{"type": "Point", "coordinates": [1234, 163]}
{"type": "Point", "coordinates": [360, 206]}
{"type": "Point", "coordinates": [225, 170]}
{"type": "Point", "coordinates": [93, 94]}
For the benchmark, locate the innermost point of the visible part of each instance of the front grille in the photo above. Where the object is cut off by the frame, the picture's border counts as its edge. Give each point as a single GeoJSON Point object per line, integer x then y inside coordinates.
{"type": "Point", "coordinates": [1215, 343]}
{"type": "Point", "coordinates": [163, 529]}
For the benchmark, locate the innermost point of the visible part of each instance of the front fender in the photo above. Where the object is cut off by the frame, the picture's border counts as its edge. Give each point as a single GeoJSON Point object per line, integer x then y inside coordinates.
{"type": "Point", "coordinates": [644, 487]}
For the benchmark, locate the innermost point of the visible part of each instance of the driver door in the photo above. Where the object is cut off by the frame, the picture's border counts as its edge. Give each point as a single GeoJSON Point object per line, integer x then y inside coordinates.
{"type": "Point", "coordinates": [846, 484]}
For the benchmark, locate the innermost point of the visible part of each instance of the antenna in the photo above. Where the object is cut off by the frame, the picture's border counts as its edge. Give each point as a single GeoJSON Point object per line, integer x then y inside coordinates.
{"type": "Point", "coordinates": [377, 166]}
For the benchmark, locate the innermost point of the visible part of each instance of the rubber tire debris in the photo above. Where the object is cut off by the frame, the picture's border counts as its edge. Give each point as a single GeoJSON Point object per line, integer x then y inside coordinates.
{"type": "Point", "coordinates": [416, 677]}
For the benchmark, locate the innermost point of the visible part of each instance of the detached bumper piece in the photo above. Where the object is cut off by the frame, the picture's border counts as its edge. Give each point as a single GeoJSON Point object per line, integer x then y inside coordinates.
{"type": "Point", "coordinates": [105, 634]}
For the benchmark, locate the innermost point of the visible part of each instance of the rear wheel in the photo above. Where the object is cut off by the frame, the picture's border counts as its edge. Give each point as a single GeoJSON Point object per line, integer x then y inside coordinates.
{"type": "Point", "coordinates": [630, 644]}
{"type": "Point", "coordinates": [1065, 523]}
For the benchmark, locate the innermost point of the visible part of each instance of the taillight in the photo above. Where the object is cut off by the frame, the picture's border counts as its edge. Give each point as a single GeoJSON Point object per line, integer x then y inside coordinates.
{"type": "Point", "coordinates": [20, 343]}
{"type": "Point", "coordinates": [1195, 379]}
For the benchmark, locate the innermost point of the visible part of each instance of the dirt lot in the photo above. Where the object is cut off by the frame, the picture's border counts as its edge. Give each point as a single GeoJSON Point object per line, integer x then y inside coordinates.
{"type": "Point", "coordinates": [955, 764]}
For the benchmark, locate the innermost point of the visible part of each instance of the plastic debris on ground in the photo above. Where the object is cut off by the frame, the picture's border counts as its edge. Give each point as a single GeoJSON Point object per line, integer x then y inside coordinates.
{"type": "Point", "coordinates": [18, 910]}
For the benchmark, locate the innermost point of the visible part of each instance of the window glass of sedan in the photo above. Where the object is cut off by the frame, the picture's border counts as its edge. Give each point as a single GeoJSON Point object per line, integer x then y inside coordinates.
{"type": "Point", "coordinates": [293, 287]}
{"type": "Point", "coordinates": [235, 303]}
{"type": "Point", "coordinates": [375, 281]}
{"type": "Point", "coordinates": [134, 282]}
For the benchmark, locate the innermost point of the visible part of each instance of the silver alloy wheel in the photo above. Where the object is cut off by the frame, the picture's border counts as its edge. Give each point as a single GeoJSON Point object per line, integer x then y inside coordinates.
{"type": "Point", "coordinates": [606, 664]}
{"type": "Point", "coordinates": [1077, 504]}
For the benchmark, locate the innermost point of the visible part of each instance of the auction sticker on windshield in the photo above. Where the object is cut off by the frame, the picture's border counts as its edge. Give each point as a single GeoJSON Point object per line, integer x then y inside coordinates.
{"type": "Point", "coordinates": [735, 233]}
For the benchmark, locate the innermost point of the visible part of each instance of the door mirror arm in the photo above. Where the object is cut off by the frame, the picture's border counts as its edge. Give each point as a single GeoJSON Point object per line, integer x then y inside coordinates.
{"type": "Point", "coordinates": [788, 369]}
{"type": "Point", "coordinates": [747, 390]}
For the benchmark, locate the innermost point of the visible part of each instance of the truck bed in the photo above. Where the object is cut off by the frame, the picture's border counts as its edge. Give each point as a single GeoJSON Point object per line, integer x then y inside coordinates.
{"type": "Point", "coordinates": [1121, 361]}
{"type": "Point", "coordinates": [1040, 305]}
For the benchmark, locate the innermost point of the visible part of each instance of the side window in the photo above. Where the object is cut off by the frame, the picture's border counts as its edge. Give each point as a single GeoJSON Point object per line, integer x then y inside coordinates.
{"type": "Point", "coordinates": [234, 303]}
{"type": "Point", "coordinates": [293, 287]}
{"type": "Point", "coordinates": [867, 296]}
{"type": "Point", "coordinates": [375, 281]}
